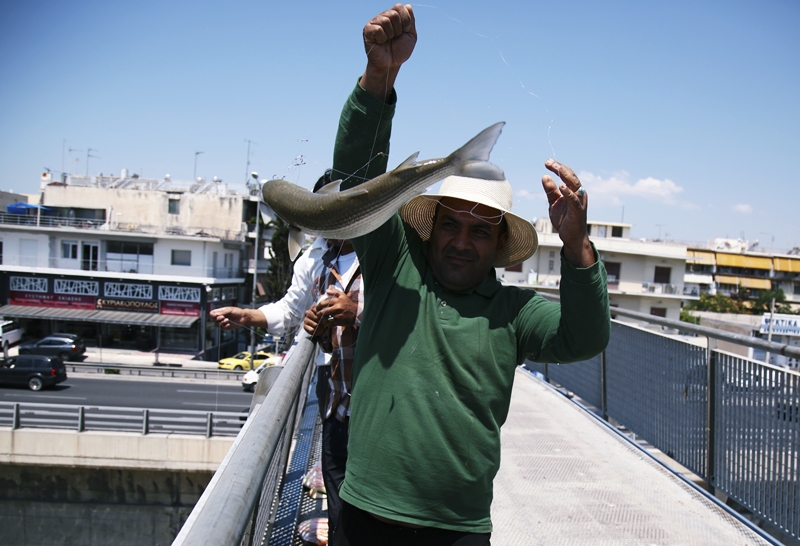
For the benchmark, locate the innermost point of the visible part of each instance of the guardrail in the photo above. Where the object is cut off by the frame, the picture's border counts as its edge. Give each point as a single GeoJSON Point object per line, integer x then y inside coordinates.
{"type": "Point", "coordinates": [732, 421]}
{"type": "Point", "coordinates": [155, 371]}
{"type": "Point", "coordinates": [240, 502]}
{"type": "Point", "coordinates": [117, 419]}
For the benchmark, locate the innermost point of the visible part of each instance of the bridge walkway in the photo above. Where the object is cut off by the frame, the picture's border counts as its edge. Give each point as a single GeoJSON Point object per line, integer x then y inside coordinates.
{"type": "Point", "coordinates": [568, 478]}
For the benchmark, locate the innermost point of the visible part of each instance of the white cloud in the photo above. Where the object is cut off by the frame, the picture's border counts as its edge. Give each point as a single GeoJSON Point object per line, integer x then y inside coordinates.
{"type": "Point", "coordinates": [613, 189]}
{"type": "Point", "coordinates": [530, 195]}
{"type": "Point", "coordinates": [743, 209]}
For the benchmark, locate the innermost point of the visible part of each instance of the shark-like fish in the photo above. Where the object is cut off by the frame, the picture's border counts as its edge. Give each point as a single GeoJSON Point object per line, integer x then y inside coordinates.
{"type": "Point", "coordinates": [335, 214]}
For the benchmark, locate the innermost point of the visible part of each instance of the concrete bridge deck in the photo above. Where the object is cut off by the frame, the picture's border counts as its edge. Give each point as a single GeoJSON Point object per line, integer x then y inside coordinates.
{"type": "Point", "coordinates": [568, 478]}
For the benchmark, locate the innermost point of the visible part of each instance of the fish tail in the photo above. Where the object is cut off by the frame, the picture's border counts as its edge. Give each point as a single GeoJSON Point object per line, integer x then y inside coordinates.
{"type": "Point", "coordinates": [472, 159]}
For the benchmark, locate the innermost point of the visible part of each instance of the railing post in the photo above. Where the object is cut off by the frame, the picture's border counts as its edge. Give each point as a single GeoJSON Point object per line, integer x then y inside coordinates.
{"type": "Point", "coordinates": [209, 424]}
{"type": "Point", "coordinates": [15, 418]}
{"type": "Point", "coordinates": [145, 422]}
{"type": "Point", "coordinates": [711, 437]}
{"type": "Point", "coordinates": [603, 393]}
{"type": "Point", "coordinates": [81, 419]}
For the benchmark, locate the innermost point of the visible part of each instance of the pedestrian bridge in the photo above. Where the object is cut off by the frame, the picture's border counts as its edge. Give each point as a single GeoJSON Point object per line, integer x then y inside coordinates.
{"type": "Point", "coordinates": [583, 449]}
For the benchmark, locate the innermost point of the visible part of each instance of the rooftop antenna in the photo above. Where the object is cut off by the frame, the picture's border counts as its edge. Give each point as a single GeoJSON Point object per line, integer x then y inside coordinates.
{"type": "Point", "coordinates": [88, 155]}
{"type": "Point", "coordinates": [247, 166]}
{"type": "Point", "coordinates": [194, 176]}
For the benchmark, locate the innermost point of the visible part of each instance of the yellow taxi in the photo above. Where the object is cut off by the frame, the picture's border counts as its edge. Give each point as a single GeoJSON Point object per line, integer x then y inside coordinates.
{"type": "Point", "coordinates": [242, 361]}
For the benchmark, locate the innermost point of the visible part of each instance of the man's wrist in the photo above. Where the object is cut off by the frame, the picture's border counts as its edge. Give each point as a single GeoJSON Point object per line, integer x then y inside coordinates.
{"type": "Point", "coordinates": [379, 82]}
{"type": "Point", "coordinates": [580, 255]}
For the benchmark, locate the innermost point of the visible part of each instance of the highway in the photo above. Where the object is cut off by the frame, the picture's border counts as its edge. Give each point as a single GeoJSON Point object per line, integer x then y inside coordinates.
{"type": "Point", "coordinates": [137, 393]}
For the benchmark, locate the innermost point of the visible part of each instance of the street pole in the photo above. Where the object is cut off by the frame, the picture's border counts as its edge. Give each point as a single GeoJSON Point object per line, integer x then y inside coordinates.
{"type": "Point", "coordinates": [255, 269]}
{"type": "Point", "coordinates": [194, 176]}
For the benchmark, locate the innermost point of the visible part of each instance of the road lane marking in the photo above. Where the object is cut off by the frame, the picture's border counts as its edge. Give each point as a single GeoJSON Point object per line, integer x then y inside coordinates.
{"type": "Point", "coordinates": [206, 404]}
{"type": "Point", "coordinates": [212, 392]}
{"type": "Point", "coordinates": [50, 396]}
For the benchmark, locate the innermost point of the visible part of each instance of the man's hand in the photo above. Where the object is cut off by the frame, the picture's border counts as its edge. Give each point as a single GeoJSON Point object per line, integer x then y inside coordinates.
{"type": "Point", "coordinates": [568, 213]}
{"type": "Point", "coordinates": [389, 40]}
{"type": "Point", "coordinates": [230, 318]}
{"type": "Point", "coordinates": [337, 309]}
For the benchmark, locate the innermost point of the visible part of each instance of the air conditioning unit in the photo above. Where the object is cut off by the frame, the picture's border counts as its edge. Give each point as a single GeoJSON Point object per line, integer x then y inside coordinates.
{"type": "Point", "coordinates": [645, 286]}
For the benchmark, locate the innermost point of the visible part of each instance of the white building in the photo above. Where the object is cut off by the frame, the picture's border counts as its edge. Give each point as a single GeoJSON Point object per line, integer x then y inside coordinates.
{"type": "Point", "coordinates": [129, 262]}
{"type": "Point", "coordinates": [647, 277]}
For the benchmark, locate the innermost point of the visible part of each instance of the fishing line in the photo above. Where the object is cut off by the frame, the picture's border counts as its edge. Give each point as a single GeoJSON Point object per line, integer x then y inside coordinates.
{"type": "Point", "coordinates": [502, 58]}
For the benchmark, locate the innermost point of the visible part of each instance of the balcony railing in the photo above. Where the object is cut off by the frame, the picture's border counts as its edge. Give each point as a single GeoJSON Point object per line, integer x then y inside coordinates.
{"type": "Point", "coordinates": [662, 288]}
{"type": "Point", "coordinates": [117, 266]}
{"type": "Point", "coordinates": [127, 227]}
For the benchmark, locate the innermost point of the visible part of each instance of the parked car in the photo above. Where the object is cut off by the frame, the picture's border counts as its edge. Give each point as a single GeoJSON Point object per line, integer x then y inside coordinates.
{"type": "Point", "coordinates": [35, 371]}
{"type": "Point", "coordinates": [66, 348]}
{"type": "Point", "coordinates": [241, 361]}
{"type": "Point", "coordinates": [11, 334]}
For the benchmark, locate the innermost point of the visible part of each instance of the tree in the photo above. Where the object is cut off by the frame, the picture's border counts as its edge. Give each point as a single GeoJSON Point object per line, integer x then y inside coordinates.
{"type": "Point", "coordinates": [279, 272]}
{"type": "Point", "coordinates": [718, 303]}
{"type": "Point", "coordinates": [764, 301]}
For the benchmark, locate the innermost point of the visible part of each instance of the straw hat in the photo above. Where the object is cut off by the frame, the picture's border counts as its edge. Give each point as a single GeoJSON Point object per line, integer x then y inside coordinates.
{"type": "Point", "coordinates": [497, 194]}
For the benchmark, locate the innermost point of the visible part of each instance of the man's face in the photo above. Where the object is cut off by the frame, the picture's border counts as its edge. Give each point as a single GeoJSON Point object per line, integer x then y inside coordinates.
{"type": "Point", "coordinates": [465, 242]}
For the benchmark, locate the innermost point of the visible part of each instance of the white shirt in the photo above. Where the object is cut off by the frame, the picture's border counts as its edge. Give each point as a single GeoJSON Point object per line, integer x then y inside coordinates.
{"type": "Point", "coordinates": [288, 313]}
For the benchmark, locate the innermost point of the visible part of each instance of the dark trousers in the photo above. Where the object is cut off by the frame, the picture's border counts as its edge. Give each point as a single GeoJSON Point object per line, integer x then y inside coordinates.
{"type": "Point", "coordinates": [334, 451]}
{"type": "Point", "coordinates": [358, 528]}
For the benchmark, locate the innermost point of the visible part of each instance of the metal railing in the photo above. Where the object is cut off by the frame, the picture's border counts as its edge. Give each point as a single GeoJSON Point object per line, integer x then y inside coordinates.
{"type": "Point", "coordinates": [240, 502]}
{"type": "Point", "coordinates": [117, 419]}
{"type": "Point", "coordinates": [155, 371]}
{"type": "Point", "coordinates": [48, 221]}
{"type": "Point", "coordinates": [733, 421]}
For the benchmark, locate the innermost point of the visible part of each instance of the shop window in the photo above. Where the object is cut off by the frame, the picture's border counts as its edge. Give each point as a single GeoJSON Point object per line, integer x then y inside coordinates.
{"type": "Point", "coordinates": [181, 257]}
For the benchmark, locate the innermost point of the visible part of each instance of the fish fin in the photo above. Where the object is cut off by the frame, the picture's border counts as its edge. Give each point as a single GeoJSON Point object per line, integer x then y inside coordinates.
{"type": "Point", "coordinates": [295, 242]}
{"type": "Point", "coordinates": [472, 158]}
{"type": "Point", "coordinates": [331, 187]}
{"type": "Point", "coordinates": [408, 162]}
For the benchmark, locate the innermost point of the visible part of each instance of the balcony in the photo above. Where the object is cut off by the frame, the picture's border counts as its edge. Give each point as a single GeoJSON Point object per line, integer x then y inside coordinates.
{"type": "Point", "coordinates": [115, 268]}
{"type": "Point", "coordinates": [7, 219]}
{"type": "Point", "coordinates": [662, 288]}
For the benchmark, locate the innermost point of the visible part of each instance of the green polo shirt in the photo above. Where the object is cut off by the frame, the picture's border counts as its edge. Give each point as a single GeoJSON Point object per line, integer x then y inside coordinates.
{"type": "Point", "coordinates": [434, 369]}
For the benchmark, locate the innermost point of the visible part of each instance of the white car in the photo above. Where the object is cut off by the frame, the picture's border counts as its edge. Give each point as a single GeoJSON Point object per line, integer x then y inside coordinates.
{"type": "Point", "coordinates": [251, 378]}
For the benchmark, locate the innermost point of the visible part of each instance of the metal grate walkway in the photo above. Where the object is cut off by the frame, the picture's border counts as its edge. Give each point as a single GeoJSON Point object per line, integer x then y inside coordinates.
{"type": "Point", "coordinates": [567, 478]}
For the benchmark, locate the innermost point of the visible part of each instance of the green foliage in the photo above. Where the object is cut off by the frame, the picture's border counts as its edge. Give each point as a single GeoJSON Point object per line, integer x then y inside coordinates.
{"type": "Point", "coordinates": [279, 273]}
{"type": "Point", "coordinates": [687, 317]}
{"type": "Point", "coordinates": [764, 301]}
{"type": "Point", "coordinates": [720, 303]}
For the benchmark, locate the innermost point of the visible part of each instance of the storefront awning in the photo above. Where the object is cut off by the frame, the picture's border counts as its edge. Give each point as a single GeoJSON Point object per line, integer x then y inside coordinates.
{"type": "Point", "coordinates": [84, 315]}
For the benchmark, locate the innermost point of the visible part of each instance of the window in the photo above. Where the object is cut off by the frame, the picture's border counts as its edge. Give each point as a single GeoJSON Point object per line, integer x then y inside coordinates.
{"type": "Point", "coordinates": [659, 311]}
{"type": "Point", "coordinates": [613, 270]}
{"type": "Point", "coordinates": [796, 285]}
{"type": "Point", "coordinates": [1, 252]}
{"type": "Point", "coordinates": [616, 231]}
{"type": "Point", "coordinates": [174, 206]}
{"type": "Point", "coordinates": [69, 250]}
{"type": "Point", "coordinates": [662, 275]}
{"type": "Point", "coordinates": [601, 232]}
{"type": "Point", "coordinates": [589, 229]}
{"type": "Point", "coordinates": [129, 257]}
{"type": "Point", "coordinates": [551, 265]}
{"type": "Point", "coordinates": [181, 257]}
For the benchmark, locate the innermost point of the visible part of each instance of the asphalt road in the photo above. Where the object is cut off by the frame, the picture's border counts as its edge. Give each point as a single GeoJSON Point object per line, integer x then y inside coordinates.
{"type": "Point", "coordinates": [130, 393]}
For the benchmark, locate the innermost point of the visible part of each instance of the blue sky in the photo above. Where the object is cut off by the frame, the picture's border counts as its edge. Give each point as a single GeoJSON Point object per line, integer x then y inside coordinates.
{"type": "Point", "coordinates": [682, 118]}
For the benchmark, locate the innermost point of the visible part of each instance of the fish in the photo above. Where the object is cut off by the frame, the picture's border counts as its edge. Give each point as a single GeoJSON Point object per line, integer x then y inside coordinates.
{"type": "Point", "coordinates": [351, 213]}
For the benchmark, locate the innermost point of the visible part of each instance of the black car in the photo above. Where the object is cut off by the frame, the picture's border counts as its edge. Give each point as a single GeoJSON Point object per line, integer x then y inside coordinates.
{"type": "Point", "coordinates": [65, 347]}
{"type": "Point", "coordinates": [35, 371]}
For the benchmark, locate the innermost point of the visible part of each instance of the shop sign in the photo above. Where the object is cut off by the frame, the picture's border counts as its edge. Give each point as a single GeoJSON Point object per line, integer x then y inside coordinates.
{"type": "Point", "coordinates": [142, 306]}
{"type": "Point", "coordinates": [46, 299]}
{"type": "Point", "coordinates": [784, 325]}
{"type": "Point", "coordinates": [180, 308]}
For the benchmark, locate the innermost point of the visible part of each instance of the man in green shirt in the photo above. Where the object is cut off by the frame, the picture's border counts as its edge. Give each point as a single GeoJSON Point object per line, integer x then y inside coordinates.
{"type": "Point", "coordinates": [441, 337]}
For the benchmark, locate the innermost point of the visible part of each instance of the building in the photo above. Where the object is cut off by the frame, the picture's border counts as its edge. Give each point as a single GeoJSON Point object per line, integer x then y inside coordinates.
{"type": "Point", "coordinates": [131, 262]}
{"type": "Point", "coordinates": [642, 276]}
